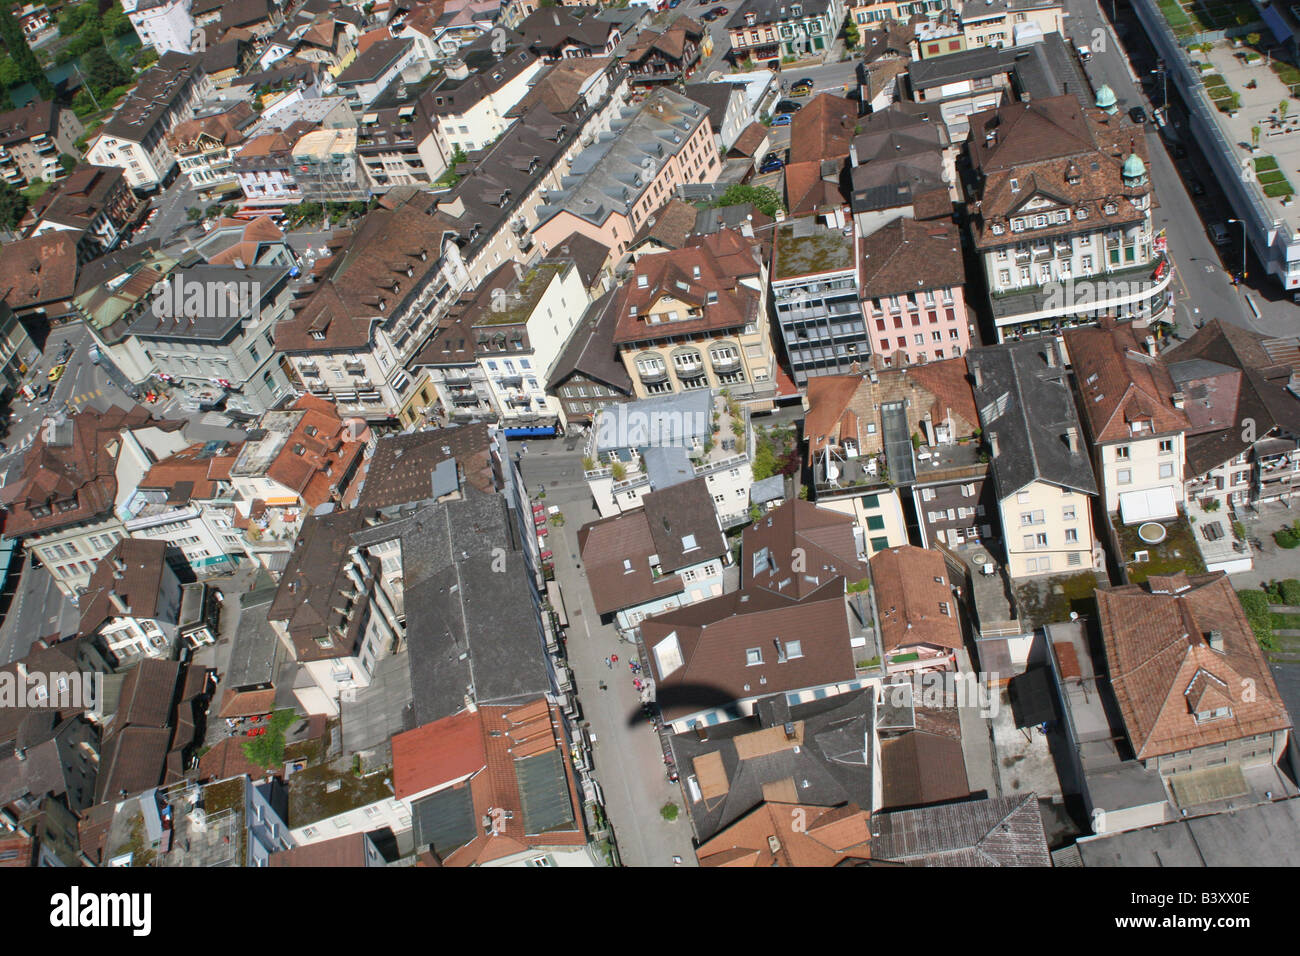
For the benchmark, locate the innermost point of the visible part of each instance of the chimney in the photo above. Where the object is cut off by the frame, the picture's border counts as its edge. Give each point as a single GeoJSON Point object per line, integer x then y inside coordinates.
{"type": "Point", "coordinates": [470, 705]}
{"type": "Point", "coordinates": [1179, 400]}
{"type": "Point", "coordinates": [21, 753]}
{"type": "Point", "coordinates": [1050, 353]}
{"type": "Point", "coordinates": [993, 443]}
{"type": "Point", "coordinates": [701, 732]}
{"type": "Point", "coordinates": [789, 730]}
{"type": "Point", "coordinates": [1215, 640]}
{"type": "Point", "coordinates": [116, 600]}
{"type": "Point", "coordinates": [1072, 439]}
{"type": "Point", "coordinates": [1150, 343]}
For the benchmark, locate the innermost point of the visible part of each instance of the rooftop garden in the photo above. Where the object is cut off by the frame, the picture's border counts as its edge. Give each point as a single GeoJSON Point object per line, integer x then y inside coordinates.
{"type": "Point", "coordinates": [1177, 552]}
{"type": "Point", "coordinates": [1188, 18]}
{"type": "Point", "coordinates": [1050, 599]}
{"type": "Point", "coordinates": [324, 791]}
{"type": "Point", "coordinates": [513, 304]}
{"type": "Point", "coordinates": [825, 250]}
{"type": "Point", "coordinates": [1224, 97]}
{"type": "Point", "coordinates": [1271, 179]}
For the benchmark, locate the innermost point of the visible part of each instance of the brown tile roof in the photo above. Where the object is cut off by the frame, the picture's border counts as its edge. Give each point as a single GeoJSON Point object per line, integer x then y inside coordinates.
{"type": "Point", "coordinates": [319, 443]}
{"type": "Point", "coordinates": [367, 266]}
{"type": "Point", "coordinates": [193, 473]}
{"type": "Point", "coordinates": [823, 129]}
{"type": "Point", "coordinates": [909, 600]}
{"type": "Point", "coordinates": [749, 140]}
{"type": "Point", "coordinates": [814, 186]}
{"type": "Point", "coordinates": [341, 851]}
{"type": "Point", "coordinates": [820, 540]}
{"type": "Point", "coordinates": [670, 225]}
{"type": "Point", "coordinates": [148, 694]}
{"type": "Point", "coordinates": [1119, 384]}
{"type": "Point", "coordinates": [1157, 638]}
{"type": "Point", "coordinates": [713, 637]}
{"type": "Point", "coordinates": [681, 512]}
{"type": "Point", "coordinates": [906, 256]}
{"type": "Point", "coordinates": [225, 128]}
{"type": "Point", "coordinates": [791, 834]}
{"type": "Point", "coordinates": [920, 768]}
{"type": "Point", "coordinates": [399, 472]}
{"type": "Point", "coordinates": [83, 470]}
{"type": "Point", "coordinates": [605, 545]}
{"type": "Point", "coordinates": [39, 270]}
{"type": "Point", "coordinates": [557, 89]}
{"type": "Point", "coordinates": [309, 600]}
{"type": "Point", "coordinates": [591, 350]}
{"type": "Point", "coordinates": [722, 260]}
{"type": "Point", "coordinates": [671, 42]}
{"type": "Point", "coordinates": [840, 406]}
{"type": "Point", "coordinates": [1058, 151]}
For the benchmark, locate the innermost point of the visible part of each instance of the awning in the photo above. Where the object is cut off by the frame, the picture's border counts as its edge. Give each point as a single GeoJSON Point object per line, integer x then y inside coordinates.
{"type": "Point", "coordinates": [530, 432]}
{"type": "Point", "coordinates": [284, 501]}
{"type": "Point", "coordinates": [1153, 504]}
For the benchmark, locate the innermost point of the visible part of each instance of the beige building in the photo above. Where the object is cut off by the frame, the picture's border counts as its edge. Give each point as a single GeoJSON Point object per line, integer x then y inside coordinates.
{"type": "Point", "coordinates": [1005, 23]}
{"type": "Point", "coordinates": [1042, 477]}
{"type": "Point", "coordinates": [697, 318]}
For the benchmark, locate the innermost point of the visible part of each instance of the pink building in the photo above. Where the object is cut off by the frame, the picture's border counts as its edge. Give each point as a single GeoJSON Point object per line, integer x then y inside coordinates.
{"type": "Point", "coordinates": [669, 142]}
{"type": "Point", "coordinates": [912, 284]}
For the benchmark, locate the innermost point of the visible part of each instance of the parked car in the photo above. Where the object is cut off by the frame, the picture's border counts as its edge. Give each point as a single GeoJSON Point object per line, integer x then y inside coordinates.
{"type": "Point", "coordinates": [1137, 114]}
{"type": "Point", "coordinates": [1085, 54]}
{"type": "Point", "coordinates": [783, 120]}
{"type": "Point", "coordinates": [1219, 233]}
{"type": "Point", "coordinates": [719, 11]}
{"type": "Point", "coordinates": [56, 373]}
{"type": "Point", "coordinates": [804, 84]}
{"type": "Point", "coordinates": [787, 106]}
{"type": "Point", "coordinates": [771, 164]}
{"type": "Point", "coordinates": [43, 394]}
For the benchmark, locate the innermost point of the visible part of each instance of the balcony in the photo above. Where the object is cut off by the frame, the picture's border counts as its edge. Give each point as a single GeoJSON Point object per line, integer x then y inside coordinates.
{"type": "Point", "coordinates": [691, 370]}
{"type": "Point", "coordinates": [465, 399]}
{"type": "Point", "coordinates": [724, 366]}
{"type": "Point", "coordinates": [652, 375]}
{"type": "Point", "coordinates": [513, 380]}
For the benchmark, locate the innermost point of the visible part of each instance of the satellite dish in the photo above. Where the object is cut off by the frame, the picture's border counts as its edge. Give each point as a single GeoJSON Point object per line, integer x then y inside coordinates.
{"type": "Point", "coordinates": [1074, 616]}
{"type": "Point", "coordinates": [832, 472]}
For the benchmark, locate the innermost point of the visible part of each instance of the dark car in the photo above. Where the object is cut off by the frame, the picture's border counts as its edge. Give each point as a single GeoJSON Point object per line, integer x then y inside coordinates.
{"type": "Point", "coordinates": [718, 12]}
{"type": "Point", "coordinates": [771, 164]}
{"type": "Point", "coordinates": [787, 106]}
{"type": "Point", "coordinates": [1137, 114]}
{"type": "Point", "coordinates": [774, 65]}
{"type": "Point", "coordinates": [804, 84]}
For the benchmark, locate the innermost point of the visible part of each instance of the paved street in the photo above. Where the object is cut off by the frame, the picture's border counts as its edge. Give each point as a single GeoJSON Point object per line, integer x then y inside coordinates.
{"type": "Point", "coordinates": [628, 759]}
{"type": "Point", "coordinates": [1202, 288]}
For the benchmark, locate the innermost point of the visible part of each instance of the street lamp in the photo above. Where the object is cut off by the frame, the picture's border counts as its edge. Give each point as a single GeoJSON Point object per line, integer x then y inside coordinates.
{"type": "Point", "coordinates": [1243, 247]}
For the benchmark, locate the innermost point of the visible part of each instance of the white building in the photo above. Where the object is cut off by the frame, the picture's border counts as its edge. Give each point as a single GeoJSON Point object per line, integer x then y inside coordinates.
{"type": "Point", "coordinates": [164, 25]}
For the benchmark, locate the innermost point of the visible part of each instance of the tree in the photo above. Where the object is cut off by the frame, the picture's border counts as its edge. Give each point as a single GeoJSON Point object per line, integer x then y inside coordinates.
{"type": "Point", "coordinates": [11, 35]}
{"type": "Point", "coordinates": [764, 198]}
{"type": "Point", "coordinates": [1282, 108]}
{"type": "Point", "coordinates": [1252, 39]}
{"type": "Point", "coordinates": [851, 35]}
{"type": "Point", "coordinates": [67, 163]}
{"type": "Point", "coordinates": [13, 205]}
{"type": "Point", "coordinates": [10, 74]}
{"type": "Point", "coordinates": [1254, 137]}
{"type": "Point", "coordinates": [101, 71]}
{"type": "Point", "coordinates": [194, 214]}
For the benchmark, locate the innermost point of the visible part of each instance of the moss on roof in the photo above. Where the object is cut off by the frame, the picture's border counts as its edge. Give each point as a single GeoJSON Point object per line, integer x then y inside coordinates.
{"type": "Point", "coordinates": [826, 250]}
{"type": "Point", "coordinates": [311, 797]}
{"type": "Point", "coordinates": [515, 303]}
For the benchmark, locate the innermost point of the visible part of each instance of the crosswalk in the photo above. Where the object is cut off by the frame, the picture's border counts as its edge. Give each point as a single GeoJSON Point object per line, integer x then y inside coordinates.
{"type": "Point", "coordinates": [85, 397]}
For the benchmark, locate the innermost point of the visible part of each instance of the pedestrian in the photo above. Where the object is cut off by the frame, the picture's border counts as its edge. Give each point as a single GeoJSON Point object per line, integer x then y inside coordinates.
{"type": "Point", "coordinates": [614, 658]}
{"type": "Point", "coordinates": [609, 663]}
{"type": "Point", "coordinates": [602, 686]}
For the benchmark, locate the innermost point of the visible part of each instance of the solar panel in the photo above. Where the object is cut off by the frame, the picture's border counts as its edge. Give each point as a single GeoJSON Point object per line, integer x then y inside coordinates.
{"type": "Point", "coordinates": [544, 792]}
{"type": "Point", "coordinates": [444, 820]}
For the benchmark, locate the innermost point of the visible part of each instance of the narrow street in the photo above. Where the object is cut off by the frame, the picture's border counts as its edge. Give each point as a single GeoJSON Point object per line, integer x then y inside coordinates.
{"type": "Point", "coordinates": [628, 759]}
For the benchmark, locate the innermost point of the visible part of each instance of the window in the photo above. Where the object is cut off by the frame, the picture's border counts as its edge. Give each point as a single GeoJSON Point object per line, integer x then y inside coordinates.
{"type": "Point", "coordinates": [793, 649]}
{"type": "Point", "coordinates": [1074, 559]}
{"type": "Point", "coordinates": [879, 544]}
{"type": "Point", "coordinates": [753, 655]}
{"type": "Point", "coordinates": [875, 523]}
{"type": "Point", "coordinates": [1071, 536]}
{"type": "Point", "coordinates": [1166, 469]}
{"type": "Point", "coordinates": [1124, 476]}
{"type": "Point", "coordinates": [944, 610]}
{"type": "Point", "coordinates": [1166, 446]}
{"type": "Point", "coordinates": [1122, 453]}
{"type": "Point", "coordinates": [1067, 513]}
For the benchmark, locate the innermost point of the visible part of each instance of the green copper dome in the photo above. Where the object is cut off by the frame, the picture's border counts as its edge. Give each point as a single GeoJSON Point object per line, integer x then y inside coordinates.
{"type": "Point", "coordinates": [1134, 168]}
{"type": "Point", "coordinates": [1106, 98]}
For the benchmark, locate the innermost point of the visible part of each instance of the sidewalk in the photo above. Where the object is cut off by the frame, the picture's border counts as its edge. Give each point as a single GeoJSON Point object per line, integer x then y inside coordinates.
{"type": "Point", "coordinates": [629, 764]}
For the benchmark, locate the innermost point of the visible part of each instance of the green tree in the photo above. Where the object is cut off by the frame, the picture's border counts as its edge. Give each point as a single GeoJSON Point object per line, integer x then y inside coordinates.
{"type": "Point", "coordinates": [194, 214]}
{"type": "Point", "coordinates": [11, 35]}
{"type": "Point", "coordinates": [1282, 108]}
{"type": "Point", "coordinates": [74, 17]}
{"type": "Point", "coordinates": [765, 199]}
{"type": "Point", "coordinates": [851, 35]}
{"type": "Point", "coordinates": [10, 74]}
{"type": "Point", "coordinates": [116, 22]}
{"type": "Point", "coordinates": [101, 71]}
{"type": "Point", "coordinates": [1252, 39]}
{"type": "Point", "coordinates": [12, 206]}
{"type": "Point", "coordinates": [67, 163]}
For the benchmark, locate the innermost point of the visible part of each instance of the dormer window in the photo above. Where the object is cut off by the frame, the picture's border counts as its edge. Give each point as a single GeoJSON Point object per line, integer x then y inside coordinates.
{"type": "Point", "coordinates": [998, 229]}
{"type": "Point", "coordinates": [1015, 185]}
{"type": "Point", "coordinates": [796, 9]}
{"type": "Point", "coordinates": [1110, 209]}
{"type": "Point", "coordinates": [642, 282]}
{"type": "Point", "coordinates": [1218, 713]}
{"type": "Point", "coordinates": [1082, 212]}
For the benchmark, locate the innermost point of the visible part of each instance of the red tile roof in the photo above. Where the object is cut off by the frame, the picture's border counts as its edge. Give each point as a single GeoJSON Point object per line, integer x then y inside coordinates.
{"type": "Point", "coordinates": [1120, 383]}
{"type": "Point", "coordinates": [790, 834]}
{"type": "Point", "coordinates": [437, 754]}
{"type": "Point", "coordinates": [909, 599]}
{"type": "Point", "coordinates": [1163, 668]}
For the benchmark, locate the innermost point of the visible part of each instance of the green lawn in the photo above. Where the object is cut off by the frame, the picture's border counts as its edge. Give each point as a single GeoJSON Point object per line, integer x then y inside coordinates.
{"type": "Point", "coordinates": [1176, 553]}
{"type": "Point", "coordinates": [1265, 163]}
{"type": "Point", "coordinates": [1286, 72]}
{"type": "Point", "coordinates": [1279, 190]}
{"type": "Point", "coordinates": [1214, 80]}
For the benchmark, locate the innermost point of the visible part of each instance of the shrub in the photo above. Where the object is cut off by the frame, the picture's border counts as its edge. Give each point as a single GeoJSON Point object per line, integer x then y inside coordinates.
{"type": "Point", "coordinates": [618, 471]}
{"type": "Point", "coordinates": [1255, 604]}
{"type": "Point", "coordinates": [669, 811]}
{"type": "Point", "coordinates": [588, 463]}
{"type": "Point", "coordinates": [1288, 537]}
{"type": "Point", "coordinates": [1290, 591]}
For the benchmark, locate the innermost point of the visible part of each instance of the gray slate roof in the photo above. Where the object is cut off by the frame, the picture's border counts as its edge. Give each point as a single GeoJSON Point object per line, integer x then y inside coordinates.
{"type": "Point", "coordinates": [1027, 405]}
{"type": "Point", "coordinates": [1004, 831]}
